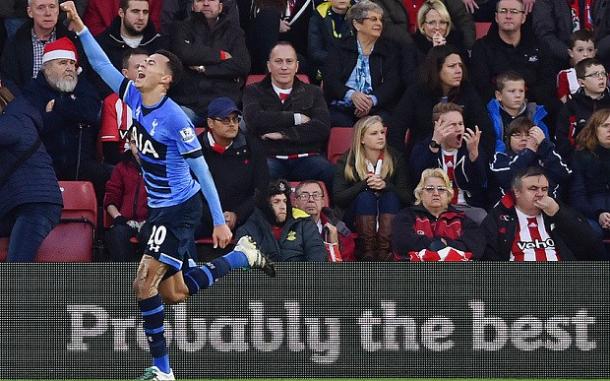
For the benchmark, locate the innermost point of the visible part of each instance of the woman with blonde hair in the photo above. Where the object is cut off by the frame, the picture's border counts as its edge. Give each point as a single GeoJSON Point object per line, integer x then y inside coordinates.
{"type": "Point", "coordinates": [590, 188]}
{"type": "Point", "coordinates": [371, 183]}
{"type": "Point", "coordinates": [432, 229]}
{"type": "Point", "coordinates": [435, 28]}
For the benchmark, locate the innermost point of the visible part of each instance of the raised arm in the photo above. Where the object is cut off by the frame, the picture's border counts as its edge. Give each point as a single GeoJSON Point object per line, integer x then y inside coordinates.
{"type": "Point", "coordinates": [96, 56]}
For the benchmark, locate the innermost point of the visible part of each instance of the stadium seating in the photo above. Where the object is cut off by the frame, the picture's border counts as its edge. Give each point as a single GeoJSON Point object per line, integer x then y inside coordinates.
{"type": "Point", "coordinates": [481, 29]}
{"type": "Point", "coordinates": [255, 78]}
{"type": "Point", "coordinates": [293, 185]}
{"type": "Point", "coordinates": [339, 142]}
{"type": "Point", "coordinates": [71, 240]}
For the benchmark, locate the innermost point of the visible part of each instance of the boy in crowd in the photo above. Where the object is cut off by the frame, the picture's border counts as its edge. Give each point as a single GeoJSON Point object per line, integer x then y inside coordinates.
{"type": "Point", "coordinates": [581, 46]}
{"type": "Point", "coordinates": [526, 146]}
{"type": "Point", "coordinates": [509, 104]}
{"type": "Point", "coordinates": [592, 95]}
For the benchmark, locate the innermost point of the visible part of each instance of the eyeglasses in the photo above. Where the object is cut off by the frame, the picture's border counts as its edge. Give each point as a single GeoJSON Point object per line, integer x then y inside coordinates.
{"type": "Point", "coordinates": [304, 196]}
{"type": "Point", "coordinates": [431, 188]}
{"type": "Point", "coordinates": [518, 135]}
{"type": "Point", "coordinates": [228, 121]}
{"type": "Point", "coordinates": [436, 23]}
{"type": "Point", "coordinates": [512, 11]}
{"type": "Point", "coordinates": [597, 74]}
{"type": "Point", "coordinates": [372, 19]}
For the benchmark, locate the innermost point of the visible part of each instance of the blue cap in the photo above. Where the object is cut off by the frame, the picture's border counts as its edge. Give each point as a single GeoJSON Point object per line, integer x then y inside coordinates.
{"type": "Point", "coordinates": [222, 107]}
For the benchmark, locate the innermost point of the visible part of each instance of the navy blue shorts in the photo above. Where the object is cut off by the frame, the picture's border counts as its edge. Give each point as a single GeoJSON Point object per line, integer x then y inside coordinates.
{"type": "Point", "coordinates": [170, 233]}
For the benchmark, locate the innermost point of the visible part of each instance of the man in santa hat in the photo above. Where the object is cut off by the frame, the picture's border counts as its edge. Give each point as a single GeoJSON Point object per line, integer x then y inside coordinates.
{"type": "Point", "coordinates": [70, 109]}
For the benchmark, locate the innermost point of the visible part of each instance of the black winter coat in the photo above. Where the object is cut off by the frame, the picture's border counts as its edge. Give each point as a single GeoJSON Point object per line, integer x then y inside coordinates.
{"type": "Point", "coordinates": [385, 73]}
{"type": "Point", "coordinates": [238, 172]}
{"type": "Point", "coordinates": [34, 180]}
{"type": "Point", "coordinates": [300, 240]}
{"type": "Point", "coordinates": [590, 190]}
{"type": "Point", "coordinates": [113, 45]}
{"type": "Point", "coordinates": [60, 131]}
{"type": "Point", "coordinates": [264, 113]}
{"type": "Point", "coordinates": [414, 113]}
{"type": "Point", "coordinates": [322, 34]}
{"type": "Point", "coordinates": [197, 44]}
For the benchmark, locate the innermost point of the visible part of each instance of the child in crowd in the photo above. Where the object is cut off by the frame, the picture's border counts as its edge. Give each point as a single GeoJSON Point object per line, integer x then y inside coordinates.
{"type": "Point", "coordinates": [510, 103]}
{"type": "Point", "coordinates": [526, 146]}
{"type": "Point", "coordinates": [592, 95]}
{"type": "Point", "coordinates": [582, 46]}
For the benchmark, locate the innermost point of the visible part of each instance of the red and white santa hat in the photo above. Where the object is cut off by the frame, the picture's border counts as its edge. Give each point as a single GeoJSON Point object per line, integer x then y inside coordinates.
{"type": "Point", "coordinates": [62, 48]}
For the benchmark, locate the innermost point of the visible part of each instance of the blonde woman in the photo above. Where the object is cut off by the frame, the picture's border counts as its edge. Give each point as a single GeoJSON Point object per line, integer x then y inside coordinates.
{"type": "Point", "coordinates": [371, 183]}
{"type": "Point", "coordinates": [432, 229]}
{"type": "Point", "coordinates": [435, 28]}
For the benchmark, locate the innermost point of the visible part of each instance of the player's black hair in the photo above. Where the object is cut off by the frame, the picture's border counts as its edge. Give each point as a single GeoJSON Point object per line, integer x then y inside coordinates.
{"type": "Point", "coordinates": [174, 64]}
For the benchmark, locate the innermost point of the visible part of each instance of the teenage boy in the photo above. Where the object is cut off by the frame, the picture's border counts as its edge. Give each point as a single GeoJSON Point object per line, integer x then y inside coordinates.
{"type": "Point", "coordinates": [509, 104]}
{"type": "Point", "coordinates": [592, 95]}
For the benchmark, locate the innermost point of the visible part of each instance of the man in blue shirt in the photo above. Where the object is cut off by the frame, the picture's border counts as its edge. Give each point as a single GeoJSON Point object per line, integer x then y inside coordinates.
{"type": "Point", "coordinates": [169, 150]}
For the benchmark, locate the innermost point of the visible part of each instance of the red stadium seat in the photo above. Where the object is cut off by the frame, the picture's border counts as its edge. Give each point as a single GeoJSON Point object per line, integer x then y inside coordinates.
{"type": "Point", "coordinates": [339, 142]}
{"type": "Point", "coordinates": [255, 78]}
{"type": "Point", "coordinates": [481, 29]}
{"type": "Point", "coordinates": [72, 239]}
{"type": "Point", "coordinates": [293, 186]}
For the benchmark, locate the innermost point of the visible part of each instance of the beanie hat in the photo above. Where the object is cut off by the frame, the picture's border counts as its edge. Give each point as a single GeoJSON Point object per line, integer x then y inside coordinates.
{"type": "Point", "coordinates": [62, 48]}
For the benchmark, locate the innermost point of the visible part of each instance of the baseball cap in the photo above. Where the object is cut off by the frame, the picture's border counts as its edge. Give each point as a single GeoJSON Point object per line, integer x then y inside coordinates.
{"type": "Point", "coordinates": [222, 107]}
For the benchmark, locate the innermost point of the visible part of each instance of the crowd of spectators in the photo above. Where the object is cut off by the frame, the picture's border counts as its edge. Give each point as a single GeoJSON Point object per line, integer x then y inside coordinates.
{"type": "Point", "coordinates": [496, 148]}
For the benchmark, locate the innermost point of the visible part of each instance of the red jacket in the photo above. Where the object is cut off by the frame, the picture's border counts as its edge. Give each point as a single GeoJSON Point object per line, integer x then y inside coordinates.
{"type": "Point", "coordinates": [100, 13]}
{"type": "Point", "coordinates": [126, 191]}
{"type": "Point", "coordinates": [347, 243]}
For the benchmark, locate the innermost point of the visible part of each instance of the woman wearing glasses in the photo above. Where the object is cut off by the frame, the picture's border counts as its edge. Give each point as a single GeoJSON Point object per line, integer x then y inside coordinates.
{"type": "Point", "coordinates": [361, 75]}
{"type": "Point", "coordinates": [371, 183]}
{"type": "Point", "coordinates": [435, 28]}
{"type": "Point", "coordinates": [432, 229]}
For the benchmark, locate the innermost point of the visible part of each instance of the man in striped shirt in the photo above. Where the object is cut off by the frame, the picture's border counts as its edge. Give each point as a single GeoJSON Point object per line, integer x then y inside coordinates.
{"type": "Point", "coordinates": [528, 225]}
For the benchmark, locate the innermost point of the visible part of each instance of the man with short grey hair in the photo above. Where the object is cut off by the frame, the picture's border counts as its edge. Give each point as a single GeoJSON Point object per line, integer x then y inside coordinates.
{"type": "Point", "coordinates": [22, 56]}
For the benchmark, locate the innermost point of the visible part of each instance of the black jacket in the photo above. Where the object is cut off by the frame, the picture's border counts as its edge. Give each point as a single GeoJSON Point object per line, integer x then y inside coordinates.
{"type": "Point", "coordinates": [238, 172]}
{"type": "Point", "coordinates": [572, 235]}
{"type": "Point", "coordinates": [385, 73]}
{"type": "Point", "coordinates": [590, 188]}
{"type": "Point", "coordinates": [414, 113]}
{"type": "Point", "coordinates": [112, 42]}
{"type": "Point", "coordinates": [264, 113]}
{"type": "Point", "coordinates": [17, 60]}
{"type": "Point", "coordinates": [322, 34]}
{"type": "Point", "coordinates": [300, 240]}
{"type": "Point", "coordinates": [492, 56]}
{"type": "Point", "coordinates": [60, 132]}
{"type": "Point", "coordinates": [572, 119]}
{"type": "Point", "coordinates": [195, 43]}
{"type": "Point", "coordinates": [34, 180]}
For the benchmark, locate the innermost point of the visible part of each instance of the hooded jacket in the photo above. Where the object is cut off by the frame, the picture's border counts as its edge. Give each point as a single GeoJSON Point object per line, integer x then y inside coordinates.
{"type": "Point", "coordinates": [299, 240]}
{"type": "Point", "coordinates": [535, 113]}
{"type": "Point", "coordinates": [34, 180]}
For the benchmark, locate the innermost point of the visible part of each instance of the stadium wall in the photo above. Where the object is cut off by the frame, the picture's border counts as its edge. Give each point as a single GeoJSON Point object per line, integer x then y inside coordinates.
{"type": "Point", "coordinates": [359, 320]}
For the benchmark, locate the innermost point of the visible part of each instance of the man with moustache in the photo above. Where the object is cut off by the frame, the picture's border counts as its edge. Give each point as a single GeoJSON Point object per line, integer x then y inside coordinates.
{"type": "Point", "coordinates": [455, 148]}
{"type": "Point", "coordinates": [70, 109]}
{"type": "Point", "coordinates": [528, 225]}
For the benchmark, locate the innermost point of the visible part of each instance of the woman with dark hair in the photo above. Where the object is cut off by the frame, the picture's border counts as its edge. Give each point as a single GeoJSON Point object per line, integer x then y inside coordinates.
{"type": "Point", "coordinates": [361, 75]}
{"type": "Point", "coordinates": [282, 232]}
{"type": "Point", "coordinates": [371, 182]}
{"type": "Point", "coordinates": [590, 190]}
{"type": "Point", "coordinates": [443, 79]}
